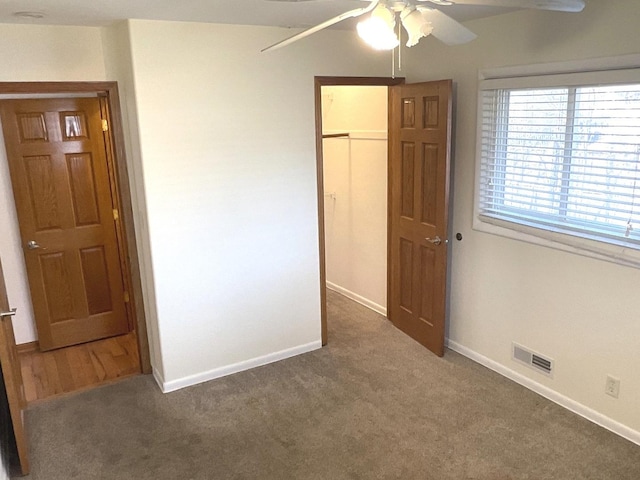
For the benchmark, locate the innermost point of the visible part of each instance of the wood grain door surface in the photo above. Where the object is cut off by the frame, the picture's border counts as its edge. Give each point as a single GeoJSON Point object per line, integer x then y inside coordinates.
{"type": "Point", "coordinates": [12, 376]}
{"type": "Point", "coordinates": [61, 185]}
{"type": "Point", "coordinates": [419, 150]}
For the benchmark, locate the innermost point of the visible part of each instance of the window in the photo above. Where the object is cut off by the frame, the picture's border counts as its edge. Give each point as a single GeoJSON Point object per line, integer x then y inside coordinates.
{"type": "Point", "coordinates": [561, 155]}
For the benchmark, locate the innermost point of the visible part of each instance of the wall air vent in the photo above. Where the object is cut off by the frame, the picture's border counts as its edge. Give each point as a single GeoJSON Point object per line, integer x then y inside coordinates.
{"type": "Point", "coordinates": [532, 359]}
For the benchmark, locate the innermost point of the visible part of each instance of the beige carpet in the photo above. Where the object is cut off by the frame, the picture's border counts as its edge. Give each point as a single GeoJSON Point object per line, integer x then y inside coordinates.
{"type": "Point", "coordinates": [371, 405]}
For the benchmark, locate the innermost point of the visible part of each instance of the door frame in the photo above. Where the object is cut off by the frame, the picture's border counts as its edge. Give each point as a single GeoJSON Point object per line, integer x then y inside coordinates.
{"type": "Point", "coordinates": [117, 161]}
{"type": "Point", "coordinates": [320, 82]}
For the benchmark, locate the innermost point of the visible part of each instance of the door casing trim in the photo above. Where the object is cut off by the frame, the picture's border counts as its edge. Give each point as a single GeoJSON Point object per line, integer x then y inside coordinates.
{"type": "Point", "coordinates": [320, 82]}
{"type": "Point", "coordinates": [128, 250]}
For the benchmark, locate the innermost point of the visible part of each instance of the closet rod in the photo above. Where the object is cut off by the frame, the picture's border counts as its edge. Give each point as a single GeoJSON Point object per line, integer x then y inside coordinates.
{"type": "Point", "coordinates": [335, 135]}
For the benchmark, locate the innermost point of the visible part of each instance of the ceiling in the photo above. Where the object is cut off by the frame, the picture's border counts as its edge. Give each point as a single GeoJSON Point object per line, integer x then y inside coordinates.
{"type": "Point", "coordinates": [287, 13]}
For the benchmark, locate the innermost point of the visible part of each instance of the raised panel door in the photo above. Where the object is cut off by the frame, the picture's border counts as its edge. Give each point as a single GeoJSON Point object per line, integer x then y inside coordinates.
{"type": "Point", "coordinates": [60, 178]}
{"type": "Point", "coordinates": [419, 151]}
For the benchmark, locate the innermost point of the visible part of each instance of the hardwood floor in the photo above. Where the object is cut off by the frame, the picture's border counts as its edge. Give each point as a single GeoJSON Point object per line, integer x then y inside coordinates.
{"type": "Point", "coordinates": [80, 367]}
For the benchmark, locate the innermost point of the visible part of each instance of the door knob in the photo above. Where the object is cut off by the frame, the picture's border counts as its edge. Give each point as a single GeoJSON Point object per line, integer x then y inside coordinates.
{"type": "Point", "coordinates": [33, 245]}
{"type": "Point", "coordinates": [436, 241]}
{"type": "Point", "coordinates": [10, 313]}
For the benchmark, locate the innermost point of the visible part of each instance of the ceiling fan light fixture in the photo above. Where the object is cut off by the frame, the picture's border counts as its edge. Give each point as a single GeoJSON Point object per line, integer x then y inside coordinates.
{"type": "Point", "coordinates": [377, 30]}
{"type": "Point", "coordinates": [415, 24]}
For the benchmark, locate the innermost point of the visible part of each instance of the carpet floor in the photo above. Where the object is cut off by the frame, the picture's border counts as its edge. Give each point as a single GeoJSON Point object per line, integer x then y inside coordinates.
{"type": "Point", "coordinates": [373, 404]}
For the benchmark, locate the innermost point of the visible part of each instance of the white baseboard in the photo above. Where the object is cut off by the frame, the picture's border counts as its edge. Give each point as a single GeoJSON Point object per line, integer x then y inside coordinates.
{"type": "Point", "coordinates": [357, 298]}
{"type": "Point", "coordinates": [550, 394]}
{"type": "Point", "coordinates": [157, 376]}
{"type": "Point", "coordinates": [174, 385]}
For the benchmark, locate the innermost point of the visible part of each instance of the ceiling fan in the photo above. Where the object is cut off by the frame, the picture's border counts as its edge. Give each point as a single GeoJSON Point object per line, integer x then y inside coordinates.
{"type": "Point", "coordinates": [378, 29]}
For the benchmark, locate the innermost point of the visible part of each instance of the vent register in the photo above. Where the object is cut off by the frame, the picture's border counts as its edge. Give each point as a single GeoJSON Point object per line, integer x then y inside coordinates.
{"type": "Point", "coordinates": [532, 360]}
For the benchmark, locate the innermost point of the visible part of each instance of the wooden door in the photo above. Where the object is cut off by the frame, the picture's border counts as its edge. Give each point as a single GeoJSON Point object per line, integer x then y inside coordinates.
{"type": "Point", "coordinates": [61, 184]}
{"type": "Point", "coordinates": [12, 378]}
{"type": "Point", "coordinates": [419, 158]}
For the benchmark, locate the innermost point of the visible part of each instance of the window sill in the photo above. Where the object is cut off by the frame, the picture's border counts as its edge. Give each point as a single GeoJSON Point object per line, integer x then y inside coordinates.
{"type": "Point", "coordinates": [621, 255]}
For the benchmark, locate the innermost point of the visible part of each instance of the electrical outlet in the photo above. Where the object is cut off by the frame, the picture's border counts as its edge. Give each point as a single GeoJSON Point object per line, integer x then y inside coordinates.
{"type": "Point", "coordinates": [612, 387]}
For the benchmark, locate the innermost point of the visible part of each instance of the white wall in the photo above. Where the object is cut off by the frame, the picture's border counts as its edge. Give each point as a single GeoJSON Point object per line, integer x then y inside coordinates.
{"type": "Point", "coordinates": [584, 313]}
{"type": "Point", "coordinates": [28, 54]}
{"type": "Point", "coordinates": [355, 185]}
{"type": "Point", "coordinates": [228, 153]}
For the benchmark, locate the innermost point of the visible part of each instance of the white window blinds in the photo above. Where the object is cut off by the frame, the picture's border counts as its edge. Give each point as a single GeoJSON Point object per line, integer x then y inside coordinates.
{"type": "Point", "coordinates": [563, 158]}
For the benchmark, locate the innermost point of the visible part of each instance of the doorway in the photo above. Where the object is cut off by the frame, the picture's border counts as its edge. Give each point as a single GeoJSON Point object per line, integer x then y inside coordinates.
{"type": "Point", "coordinates": [418, 199]}
{"type": "Point", "coordinates": [374, 294]}
{"type": "Point", "coordinates": [355, 153]}
{"type": "Point", "coordinates": [107, 93]}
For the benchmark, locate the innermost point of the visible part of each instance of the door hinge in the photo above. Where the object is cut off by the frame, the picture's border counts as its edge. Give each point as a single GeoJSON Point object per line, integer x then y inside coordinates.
{"type": "Point", "coordinates": [105, 125]}
{"type": "Point", "coordinates": [126, 297]}
{"type": "Point", "coordinates": [116, 215]}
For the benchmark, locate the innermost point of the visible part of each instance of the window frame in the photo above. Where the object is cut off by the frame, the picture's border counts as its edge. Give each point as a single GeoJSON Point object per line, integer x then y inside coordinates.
{"type": "Point", "coordinates": [622, 69]}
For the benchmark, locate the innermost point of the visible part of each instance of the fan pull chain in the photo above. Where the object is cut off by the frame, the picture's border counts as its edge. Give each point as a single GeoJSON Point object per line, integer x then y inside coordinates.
{"type": "Point", "coordinates": [393, 64]}
{"type": "Point", "coordinates": [399, 47]}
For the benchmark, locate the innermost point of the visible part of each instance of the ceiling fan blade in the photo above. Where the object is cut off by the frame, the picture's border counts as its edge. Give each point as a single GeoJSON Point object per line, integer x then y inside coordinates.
{"type": "Point", "coordinates": [558, 5]}
{"type": "Point", "coordinates": [445, 28]}
{"type": "Point", "coordinates": [350, 14]}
